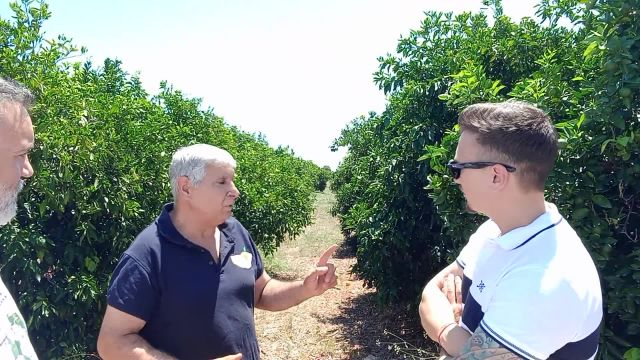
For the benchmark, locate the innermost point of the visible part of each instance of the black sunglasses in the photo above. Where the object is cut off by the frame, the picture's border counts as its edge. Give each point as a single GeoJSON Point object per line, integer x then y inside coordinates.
{"type": "Point", "coordinates": [456, 167]}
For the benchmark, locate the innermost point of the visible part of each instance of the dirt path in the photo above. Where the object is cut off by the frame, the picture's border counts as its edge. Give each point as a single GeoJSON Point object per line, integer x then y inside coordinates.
{"type": "Point", "coordinates": [344, 323]}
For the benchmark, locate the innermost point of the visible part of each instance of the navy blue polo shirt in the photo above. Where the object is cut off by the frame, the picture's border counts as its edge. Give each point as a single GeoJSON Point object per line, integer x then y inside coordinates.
{"type": "Point", "coordinates": [194, 308]}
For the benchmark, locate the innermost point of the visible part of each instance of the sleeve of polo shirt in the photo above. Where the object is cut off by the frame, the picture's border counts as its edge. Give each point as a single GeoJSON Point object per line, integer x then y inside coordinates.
{"type": "Point", "coordinates": [532, 313]}
{"type": "Point", "coordinates": [470, 251]}
{"type": "Point", "coordinates": [463, 257]}
{"type": "Point", "coordinates": [132, 289]}
{"type": "Point", "coordinates": [257, 257]}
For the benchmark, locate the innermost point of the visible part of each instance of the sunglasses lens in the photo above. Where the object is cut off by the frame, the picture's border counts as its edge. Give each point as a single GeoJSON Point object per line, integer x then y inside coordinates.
{"type": "Point", "coordinates": [455, 172]}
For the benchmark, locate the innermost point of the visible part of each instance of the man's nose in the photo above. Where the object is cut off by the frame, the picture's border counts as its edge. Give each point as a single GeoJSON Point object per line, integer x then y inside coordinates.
{"type": "Point", "coordinates": [27, 169]}
{"type": "Point", "coordinates": [234, 191]}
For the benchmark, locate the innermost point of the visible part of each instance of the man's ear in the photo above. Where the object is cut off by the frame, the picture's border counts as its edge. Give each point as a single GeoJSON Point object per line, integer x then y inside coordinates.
{"type": "Point", "coordinates": [184, 186]}
{"type": "Point", "coordinates": [500, 177]}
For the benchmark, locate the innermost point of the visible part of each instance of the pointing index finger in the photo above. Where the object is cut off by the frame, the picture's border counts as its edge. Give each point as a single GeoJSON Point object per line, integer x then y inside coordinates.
{"type": "Point", "coordinates": [327, 255]}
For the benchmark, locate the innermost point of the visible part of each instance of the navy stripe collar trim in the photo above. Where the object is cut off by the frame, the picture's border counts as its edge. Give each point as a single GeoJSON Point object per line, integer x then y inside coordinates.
{"type": "Point", "coordinates": [538, 233]}
{"type": "Point", "coordinates": [520, 236]}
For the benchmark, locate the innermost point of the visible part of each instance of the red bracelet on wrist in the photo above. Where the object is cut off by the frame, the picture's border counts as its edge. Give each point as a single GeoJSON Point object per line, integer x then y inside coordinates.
{"type": "Point", "coordinates": [443, 329]}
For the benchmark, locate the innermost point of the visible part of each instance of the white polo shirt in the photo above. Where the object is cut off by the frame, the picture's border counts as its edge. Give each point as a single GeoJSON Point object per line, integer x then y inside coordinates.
{"type": "Point", "coordinates": [535, 289]}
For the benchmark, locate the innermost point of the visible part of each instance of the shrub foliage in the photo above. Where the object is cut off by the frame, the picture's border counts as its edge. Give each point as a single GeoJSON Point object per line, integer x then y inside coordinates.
{"type": "Point", "coordinates": [395, 197]}
{"type": "Point", "coordinates": [103, 147]}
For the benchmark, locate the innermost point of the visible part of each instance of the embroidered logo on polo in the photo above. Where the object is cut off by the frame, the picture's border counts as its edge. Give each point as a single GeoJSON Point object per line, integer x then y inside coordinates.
{"type": "Point", "coordinates": [481, 286]}
{"type": "Point", "coordinates": [242, 260]}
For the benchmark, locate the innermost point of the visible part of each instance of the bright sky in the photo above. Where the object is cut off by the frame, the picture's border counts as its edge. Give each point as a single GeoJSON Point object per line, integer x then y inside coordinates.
{"type": "Point", "coordinates": [295, 71]}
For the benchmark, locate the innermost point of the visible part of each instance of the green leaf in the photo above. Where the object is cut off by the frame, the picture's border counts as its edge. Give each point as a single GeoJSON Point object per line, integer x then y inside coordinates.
{"type": "Point", "coordinates": [496, 90]}
{"type": "Point", "coordinates": [590, 49]}
{"type": "Point", "coordinates": [618, 121]}
{"type": "Point", "coordinates": [623, 140]}
{"type": "Point", "coordinates": [601, 201]}
{"type": "Point", "coordinates": [632, 354]}
{"type": "Point", "coordinates": [580, 213]}
{"type": "Point", "coordinates": [90, 264]}
{"type": "Point", "coordinates": [581, 120]}
{"type": "Point", "coordinates": [604, 145]}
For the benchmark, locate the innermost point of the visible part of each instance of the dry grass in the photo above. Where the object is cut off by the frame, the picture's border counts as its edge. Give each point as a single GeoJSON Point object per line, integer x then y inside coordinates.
{"type": "Point", "coordinates": [344, 323]}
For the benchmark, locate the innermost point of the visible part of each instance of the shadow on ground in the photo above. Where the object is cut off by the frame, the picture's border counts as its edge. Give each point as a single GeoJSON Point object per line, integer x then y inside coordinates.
{"type": "Point", "coordinates": [390, 332]}
{"type": "Point", "coordinates": [347, 249]}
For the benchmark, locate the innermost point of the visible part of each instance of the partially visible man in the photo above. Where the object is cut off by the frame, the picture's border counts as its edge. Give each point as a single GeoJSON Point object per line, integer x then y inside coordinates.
{"type": "Point", "coordinates": [530, 288]}
{"type": "Point", "coordinates": [16, 139]}
{"type": "Point", "coordinates": [187, 286]}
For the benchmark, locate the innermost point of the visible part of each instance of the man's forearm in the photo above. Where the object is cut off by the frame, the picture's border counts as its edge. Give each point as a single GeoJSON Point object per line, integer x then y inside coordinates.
{"type": "Point", "coordinates": [435, 310]}
{"type": "Point", "coordinates": [437, 319]}
{"type": "Point", "coordinates": [281, 295]}
{"type": "Point", "coordinates": [130, 346]}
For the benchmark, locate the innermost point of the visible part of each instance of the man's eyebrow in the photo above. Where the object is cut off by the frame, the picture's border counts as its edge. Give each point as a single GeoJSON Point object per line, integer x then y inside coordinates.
{"type": "Point", "coordinates": [26, 148]}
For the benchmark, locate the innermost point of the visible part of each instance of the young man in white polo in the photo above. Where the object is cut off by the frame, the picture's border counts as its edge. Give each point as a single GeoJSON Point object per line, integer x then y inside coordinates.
{"type": "Point", "coordinates": [529, 287]}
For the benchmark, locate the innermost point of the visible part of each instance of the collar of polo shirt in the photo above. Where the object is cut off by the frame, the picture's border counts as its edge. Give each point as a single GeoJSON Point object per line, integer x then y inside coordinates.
{"type": "Point", "coordinates": [171, 234]}
{"type": "Point", "coordinates": [519, 236]}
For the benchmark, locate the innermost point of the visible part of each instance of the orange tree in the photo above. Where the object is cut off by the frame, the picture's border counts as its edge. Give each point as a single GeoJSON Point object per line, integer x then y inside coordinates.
{"type": "Point", "coordinates": [103, 147]}
{"type": "Point", "coordinates": [395, 196]}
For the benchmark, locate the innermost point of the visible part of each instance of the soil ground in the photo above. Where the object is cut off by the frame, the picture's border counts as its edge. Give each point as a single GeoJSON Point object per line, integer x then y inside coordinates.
{"type": "Point", "coordinates": [343, 323]}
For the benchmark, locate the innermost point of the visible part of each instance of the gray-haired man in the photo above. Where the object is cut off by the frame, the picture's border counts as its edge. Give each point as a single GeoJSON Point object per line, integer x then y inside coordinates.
{"type": "Point", "coordinates": [16, 139]}
{"type": "Point", "coordinates": [187, 286]}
